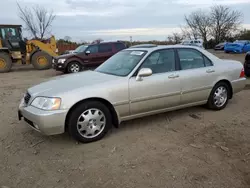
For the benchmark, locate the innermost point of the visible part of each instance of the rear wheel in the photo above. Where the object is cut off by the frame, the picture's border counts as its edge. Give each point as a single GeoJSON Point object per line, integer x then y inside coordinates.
{"type": "Point", "coordinates": [74, 67]}
{"type": "Point", "coordinates": [89, 122]}
{"type": "Point", "coordinates": [41, 60]}
{"type": "Point", "coordinates": [219, 96]}
{"type": "Point", "coordinates": [247, 69]}
{"type": "Point", "coordinates": [5, 62]}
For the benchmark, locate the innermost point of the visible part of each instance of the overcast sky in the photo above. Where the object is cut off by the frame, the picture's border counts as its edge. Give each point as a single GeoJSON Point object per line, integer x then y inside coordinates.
{"type": "Point", "coordinates": [85, 20]}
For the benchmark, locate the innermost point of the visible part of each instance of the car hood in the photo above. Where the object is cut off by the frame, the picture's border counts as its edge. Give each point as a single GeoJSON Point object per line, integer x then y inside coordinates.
{"type": "Point", "coordinates": [235, 44]}
{"type": "Point", "coordinates": [66, 83]}
{"type": "Point", "coordinates": [64, 56]}
{"type": "Point", "coordinates": [67, 56]}
{"type": "Point", "coordinates": [220, 45]}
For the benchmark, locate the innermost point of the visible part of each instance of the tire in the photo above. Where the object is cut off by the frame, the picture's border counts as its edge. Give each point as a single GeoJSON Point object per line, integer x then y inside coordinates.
{"type": "Point", "coordinates": [247, 70]}
{"type": "Point", "coordinates": [220, 103]}
{"type": "Point", "coordinates": [84, 127]}
{"type": "Point", "coordinates": [41, 60]}
{"type": "Point", "coordinates": [247, 74]}
{"type": "Point", "coordinates": [74, 67]}
{"type": "Point", "coordinates": [5, 62]}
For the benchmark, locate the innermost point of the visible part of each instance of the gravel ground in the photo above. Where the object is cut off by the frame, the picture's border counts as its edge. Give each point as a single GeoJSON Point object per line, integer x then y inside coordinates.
{"type": "Point", "coordinates": [190, 148]}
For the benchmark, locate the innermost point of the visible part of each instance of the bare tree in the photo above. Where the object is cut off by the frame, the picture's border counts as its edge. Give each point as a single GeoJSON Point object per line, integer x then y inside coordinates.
{"type": "Point", "coordinates": [224, 22]}
{"type": "Point", "coordinates": [188, 33]}
{"type": "Point", "coordinates": [175, 38]}
{"type": "Point", "coordinates": [97, 41]}
{"type": "Point", "coordinates": [199, 23]}
{"type": "Point", "coordinates": [37, 20]}
{"type": "Point", "coordinates": [67, 38]}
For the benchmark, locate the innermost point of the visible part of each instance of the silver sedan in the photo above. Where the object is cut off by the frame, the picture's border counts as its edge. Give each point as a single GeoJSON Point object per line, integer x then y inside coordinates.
{"type": "Point", "coordinates": [135, 82]}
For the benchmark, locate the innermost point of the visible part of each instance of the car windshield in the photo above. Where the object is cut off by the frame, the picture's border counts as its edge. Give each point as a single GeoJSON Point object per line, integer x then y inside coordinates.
{"type": "Point", "coordinates": [122, 63]}
{"type": "Point", "coordinates": [80, 49]}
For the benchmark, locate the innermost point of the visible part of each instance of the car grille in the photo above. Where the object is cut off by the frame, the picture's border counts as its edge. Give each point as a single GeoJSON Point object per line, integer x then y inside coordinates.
{"type": "Point", "coordinates": [27, 98]}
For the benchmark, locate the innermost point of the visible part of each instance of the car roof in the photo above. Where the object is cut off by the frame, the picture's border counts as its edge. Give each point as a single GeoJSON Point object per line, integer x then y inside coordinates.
{"type": "Point", "coordinates": [160, 47]}
{"type": "Point", "coordinates": [107, 43]}
{"type": "Point", "coordinates": [144, 46]}
{"type": "Point", "coordinates": [10, 26]}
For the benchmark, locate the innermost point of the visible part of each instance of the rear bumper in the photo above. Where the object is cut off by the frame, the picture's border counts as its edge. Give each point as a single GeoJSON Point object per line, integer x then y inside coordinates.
{"type": "Point", "coordinates": [46, 122]}
{"type": "Point", "coordinates": [238, 85]}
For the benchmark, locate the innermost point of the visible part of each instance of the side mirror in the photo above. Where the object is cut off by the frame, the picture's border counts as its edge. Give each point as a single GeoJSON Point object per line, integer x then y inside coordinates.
{"type": "Point", "coordinates": [144, 72]}
{"type": "Point", "coordinates": [87, 52]}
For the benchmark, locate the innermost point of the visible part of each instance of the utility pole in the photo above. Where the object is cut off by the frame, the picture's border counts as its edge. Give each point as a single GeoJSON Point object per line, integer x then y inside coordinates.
{"type": "Point", "coordinates": [131, 39]}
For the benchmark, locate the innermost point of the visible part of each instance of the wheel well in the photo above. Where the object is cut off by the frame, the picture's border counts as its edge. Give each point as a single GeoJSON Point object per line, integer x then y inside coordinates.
{"type": "Point", "coordinates": [72, 61]}
{"type": "Point", "coordinates": [247, 58]}
{"type": "Point", "coordinates": [230, 87]}
{"type": "Point", "coordinates": [115, 120]}
{"type": "Point", "coordinates": [32, 54]}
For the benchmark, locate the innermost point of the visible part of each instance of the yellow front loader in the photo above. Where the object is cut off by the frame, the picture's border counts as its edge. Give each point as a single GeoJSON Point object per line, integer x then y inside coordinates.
{"type": "Point", "coordinates": [13, 49]}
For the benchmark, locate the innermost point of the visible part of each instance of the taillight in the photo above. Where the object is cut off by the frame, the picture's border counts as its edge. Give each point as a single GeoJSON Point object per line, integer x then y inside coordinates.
{"type": "Point", "coordinates": [242, 73]}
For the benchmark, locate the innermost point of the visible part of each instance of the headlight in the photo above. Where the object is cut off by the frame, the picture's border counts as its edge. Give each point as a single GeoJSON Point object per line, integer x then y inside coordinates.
{"type": "Point", "coordinates": [46, 103]}
{"type": "Point", "coordinates": [61, 60]}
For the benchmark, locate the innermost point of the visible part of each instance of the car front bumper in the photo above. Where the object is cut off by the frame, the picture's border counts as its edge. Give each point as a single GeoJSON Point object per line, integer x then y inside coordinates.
{"type": "Point", "coordinates": [46, 122]}
{"type": "Point", "coordinates": [219, 48]}
{"type": "Point", "coordinates": [58, 66]}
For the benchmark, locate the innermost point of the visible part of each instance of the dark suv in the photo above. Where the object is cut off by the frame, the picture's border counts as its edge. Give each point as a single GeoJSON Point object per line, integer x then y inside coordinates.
{"type": "Point", "coordinates": [247, 64]}
{"type": "Point", "coordinates": [87, 56]}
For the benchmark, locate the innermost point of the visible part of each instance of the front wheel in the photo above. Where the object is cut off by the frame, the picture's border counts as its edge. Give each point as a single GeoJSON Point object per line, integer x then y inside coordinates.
{"type": "Point", "coordinates": [219, 96]}
{"type": "Point", "coordinates": [89, 122]}
{"type": "Point", "coordinates": [41, 60]}
{"type": "Point", "coordinates": [74, 67]}
{"type": "Point", "coordinates": [5, 62]}
{"type": "Point", "coordinates": [247, 70]}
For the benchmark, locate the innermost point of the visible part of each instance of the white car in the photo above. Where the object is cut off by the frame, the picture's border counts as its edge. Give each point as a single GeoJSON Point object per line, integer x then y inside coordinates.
{"type": "Point", "coordinates": [195, 42]}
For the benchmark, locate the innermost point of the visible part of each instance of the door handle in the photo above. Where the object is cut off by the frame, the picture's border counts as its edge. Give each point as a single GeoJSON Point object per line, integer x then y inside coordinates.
{"type": "Point", "coordinates": [173, 76]}
{"type": "Point", "coordinates": [210, 70]}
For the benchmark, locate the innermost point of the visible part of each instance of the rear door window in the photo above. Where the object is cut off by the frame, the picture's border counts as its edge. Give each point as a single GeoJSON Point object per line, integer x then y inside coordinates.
{"type": "Point", "coordinates": [119, 46]}
{"type": "Point", "coordinates": [190, 59]}
{"type": "Point", "coordinates": [103, 48]}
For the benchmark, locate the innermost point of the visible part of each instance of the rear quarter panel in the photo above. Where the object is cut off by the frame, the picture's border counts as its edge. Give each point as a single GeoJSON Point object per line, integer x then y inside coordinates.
{"type": "Point", "coordinates": [246, 48]}
{"type": "Point", "coordinates": [230, 70]}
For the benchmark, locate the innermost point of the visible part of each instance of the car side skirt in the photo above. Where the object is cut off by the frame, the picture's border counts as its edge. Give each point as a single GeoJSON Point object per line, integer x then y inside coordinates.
{"type": "Point", "coordinates": [125, 118]}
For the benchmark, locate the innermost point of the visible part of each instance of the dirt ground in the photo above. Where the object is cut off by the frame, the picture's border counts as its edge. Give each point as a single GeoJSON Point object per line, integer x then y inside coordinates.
{"type": "Point", "coordinates": [189, 148]}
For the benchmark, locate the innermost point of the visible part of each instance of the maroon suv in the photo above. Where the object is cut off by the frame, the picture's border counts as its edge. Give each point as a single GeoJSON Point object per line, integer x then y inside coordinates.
{"type": "Point", "coordinates": [86, 56]}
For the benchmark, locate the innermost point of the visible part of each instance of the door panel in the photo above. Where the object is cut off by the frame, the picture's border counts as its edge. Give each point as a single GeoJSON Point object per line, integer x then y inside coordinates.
{"type": "Point", "coordinates": [155, 92]}
{"type": "Point", "coordinates": [87, 59]}
{"type": "Point", "coordinates": [102, 57]}
{"type": "Point", "coordinates": [196, 84]}
{"type": "Point", "coordinates": [105, 51]}
{"type": "Point", "coordinates": [159, 91]}
{"type": "Point", "coordinates": [92, 58]}
{"type": "Point", "coordinates": [197, 75]}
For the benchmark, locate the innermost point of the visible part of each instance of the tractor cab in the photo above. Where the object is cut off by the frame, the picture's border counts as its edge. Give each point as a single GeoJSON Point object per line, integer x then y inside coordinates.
{"type": "Point", "coordinates": [13, 49]}
{"type": "Point", "coordinates": [11, 38]}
